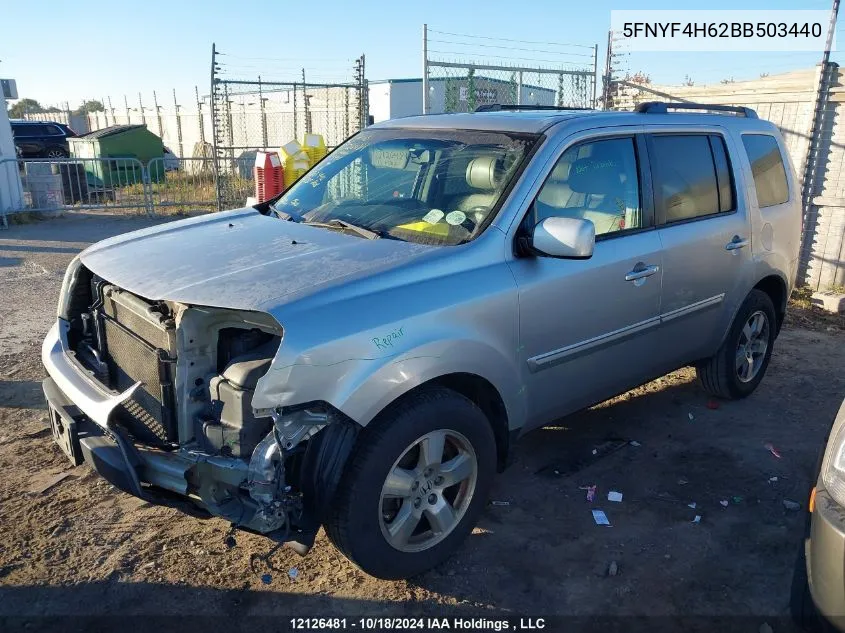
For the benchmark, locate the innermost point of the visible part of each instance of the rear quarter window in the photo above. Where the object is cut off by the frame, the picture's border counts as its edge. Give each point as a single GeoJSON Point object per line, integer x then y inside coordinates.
{"type": "Point", "coordinates": [767, 168]}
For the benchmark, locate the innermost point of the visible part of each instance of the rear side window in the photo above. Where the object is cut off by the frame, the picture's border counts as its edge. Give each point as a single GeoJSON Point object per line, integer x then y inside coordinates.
{"type": "Point", "coordinates": [31, 130]}
{"type": "Point", "coordinates": [767, 168]}
{"type": "Point", "coordinates": [692, 176]}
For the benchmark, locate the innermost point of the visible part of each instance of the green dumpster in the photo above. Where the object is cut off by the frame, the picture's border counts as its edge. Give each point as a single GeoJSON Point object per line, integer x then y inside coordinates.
{"type": "Point", "coordinates": [119, 144]}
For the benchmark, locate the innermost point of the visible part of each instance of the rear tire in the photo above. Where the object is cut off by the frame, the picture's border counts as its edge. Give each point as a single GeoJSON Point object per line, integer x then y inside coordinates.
{"type": "Point", "coordinates": [373, 500]}
{"type": "Point", "coordinates": [56, 152]}
{"type": "Point", "coordinates": [739, 365]}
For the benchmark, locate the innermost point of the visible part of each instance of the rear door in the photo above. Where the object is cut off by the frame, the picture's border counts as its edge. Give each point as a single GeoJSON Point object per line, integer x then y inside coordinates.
{"type": "Point", "coordinates": [704, 229]}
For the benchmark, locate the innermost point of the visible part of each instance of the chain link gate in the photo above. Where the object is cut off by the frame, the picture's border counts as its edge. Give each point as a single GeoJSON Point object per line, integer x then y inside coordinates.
{"type": "Point", "coordinates": [521, 79]}
{"type": "Point", "coordinates": [254, 115]}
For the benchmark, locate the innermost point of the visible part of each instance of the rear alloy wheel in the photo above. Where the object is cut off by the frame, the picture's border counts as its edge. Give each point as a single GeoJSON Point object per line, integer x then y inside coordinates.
{"type": "Point", "coordinates": [739, 365]}
{"type": "Point", "coordinates": [56, 152]}
{"type": "Point", "coordinates": [417, 481]}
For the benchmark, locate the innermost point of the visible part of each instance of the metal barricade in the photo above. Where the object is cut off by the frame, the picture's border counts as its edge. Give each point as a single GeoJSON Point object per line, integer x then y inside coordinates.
{"type": "Point", "coordinates": [166, 185]}
{"type": "Point", "coordinates": [73, 184]}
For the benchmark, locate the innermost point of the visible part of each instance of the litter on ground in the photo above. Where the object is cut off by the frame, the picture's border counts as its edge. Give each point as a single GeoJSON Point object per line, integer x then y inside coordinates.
{"type": "Point", "coordinates": [692, 505]}
{"type": "Point", "coordinates": [634, 443]}
{"type": "Point", "coordinates": [500, 503]}
{"type": "Point", "coordinates": [697, 519]}
{"type": "Point", "coordinates": [591, 492]}
{"type": "Point", "coordinates": [691, 416]}
{"type": "Point", "coordinates": [768, 446]}
{"type": "Point", "coordinates": [293, 573]}
{"type": "Point", "coordinates": [724, 503]}
{"type": "Point", "coordinates": [614, 496]}
{"type": "Point", "coordinates": [792, 506]}
{"type": "Point", "coordinates": [600, 518]}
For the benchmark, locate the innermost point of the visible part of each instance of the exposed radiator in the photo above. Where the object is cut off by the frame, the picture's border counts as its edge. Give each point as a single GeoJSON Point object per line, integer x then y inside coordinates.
{"type": "Point", "coordinates": [148, 414]}
{"type": "Point", "coordinates": [139, 346]}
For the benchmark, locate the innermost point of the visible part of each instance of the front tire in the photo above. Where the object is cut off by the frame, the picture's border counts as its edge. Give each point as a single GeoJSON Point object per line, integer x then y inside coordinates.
{"type": "Point", "coordinates": [739, 365]}
{"type": "Point", "coordinates": [415, 485]}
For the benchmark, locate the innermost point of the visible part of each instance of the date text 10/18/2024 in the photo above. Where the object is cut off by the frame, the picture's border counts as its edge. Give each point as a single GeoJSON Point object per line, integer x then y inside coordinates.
{"type": "Point", "coordinates": [417, 624]}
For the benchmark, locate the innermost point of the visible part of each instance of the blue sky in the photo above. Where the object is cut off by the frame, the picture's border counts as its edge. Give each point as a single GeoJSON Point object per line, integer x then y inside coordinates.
{"type": "Point", "coordinates": [98, 48]}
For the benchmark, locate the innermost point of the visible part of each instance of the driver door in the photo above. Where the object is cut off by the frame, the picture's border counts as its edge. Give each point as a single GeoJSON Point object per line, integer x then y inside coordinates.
{"type": "Point", "coordinates": [588, 328]}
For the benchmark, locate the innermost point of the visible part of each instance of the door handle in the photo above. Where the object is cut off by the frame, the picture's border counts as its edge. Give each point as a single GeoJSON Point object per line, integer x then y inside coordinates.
{"type": "Point", "coordinates": [736, 243]}
{"type": "Point", "coordinates": [641, 272]}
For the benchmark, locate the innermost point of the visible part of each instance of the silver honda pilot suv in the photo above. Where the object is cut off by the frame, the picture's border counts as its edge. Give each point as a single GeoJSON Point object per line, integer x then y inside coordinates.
{"type": "Point", "coordinates": [363, 351]}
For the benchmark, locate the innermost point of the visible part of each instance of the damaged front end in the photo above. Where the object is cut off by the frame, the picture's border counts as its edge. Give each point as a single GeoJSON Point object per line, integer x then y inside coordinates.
{"type": "Point", "coordinates": [157, 396]}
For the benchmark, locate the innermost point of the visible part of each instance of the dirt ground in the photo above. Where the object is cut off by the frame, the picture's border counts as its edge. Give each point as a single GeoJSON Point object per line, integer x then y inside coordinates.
{"type": "Point", "coordinates": [84, 548]}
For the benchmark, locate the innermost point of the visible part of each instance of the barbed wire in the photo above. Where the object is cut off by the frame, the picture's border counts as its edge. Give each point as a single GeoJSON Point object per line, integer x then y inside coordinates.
{"type": "Point", "coordinates": [504, 39]}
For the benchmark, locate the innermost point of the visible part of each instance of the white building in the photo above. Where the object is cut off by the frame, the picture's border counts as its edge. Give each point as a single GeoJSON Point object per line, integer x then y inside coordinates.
{"type": "Point", "coordinates": [393, 98]}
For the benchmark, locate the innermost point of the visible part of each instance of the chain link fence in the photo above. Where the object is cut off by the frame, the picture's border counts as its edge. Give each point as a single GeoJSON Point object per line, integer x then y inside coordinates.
{"type": "Point", "coordinates": [251, 115]}
{"type": "Point", "coordinates": [464, 72]}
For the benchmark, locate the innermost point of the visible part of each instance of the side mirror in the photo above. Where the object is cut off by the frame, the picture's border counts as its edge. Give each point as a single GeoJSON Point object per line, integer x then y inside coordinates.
{"type": "Point", "coordinates": [567, 238]}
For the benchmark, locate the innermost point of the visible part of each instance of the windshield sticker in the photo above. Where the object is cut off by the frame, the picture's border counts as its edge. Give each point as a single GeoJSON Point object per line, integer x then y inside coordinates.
{"type": "Point", "coordinates": [434, 216]}
{"type": "Point", "coordinates": [386, 342]}
{"type": "Point", "coordinates": [456, 217]}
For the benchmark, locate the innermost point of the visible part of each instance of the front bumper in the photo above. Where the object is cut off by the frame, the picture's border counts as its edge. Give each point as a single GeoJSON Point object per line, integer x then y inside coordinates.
{"type": "Point", "coordinates": [825, 550]}
{"type": "Point", "coordinates": [218, 484]}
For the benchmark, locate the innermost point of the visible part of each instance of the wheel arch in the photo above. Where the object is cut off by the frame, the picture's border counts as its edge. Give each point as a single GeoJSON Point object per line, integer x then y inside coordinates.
{"type": "Point", "coordinates": [483, 394]}
{"type": "Point", "coordinates": [775, 286]}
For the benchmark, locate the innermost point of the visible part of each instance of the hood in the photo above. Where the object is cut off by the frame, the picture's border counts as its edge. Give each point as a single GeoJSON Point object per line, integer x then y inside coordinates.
{"type": "Point", "coordinates": [239, 259]}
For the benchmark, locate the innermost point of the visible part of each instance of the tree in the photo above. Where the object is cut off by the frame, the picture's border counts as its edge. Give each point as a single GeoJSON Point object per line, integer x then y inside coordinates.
{"type": "Point", "coordinates": [92, 105]}
{"type": "Point", "coordinates": [24, 106]}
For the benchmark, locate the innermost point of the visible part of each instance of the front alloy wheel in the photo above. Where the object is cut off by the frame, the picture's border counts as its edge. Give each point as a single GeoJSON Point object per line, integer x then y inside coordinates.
{"type": "Point", "coordinates": [428, 491]}
{"type": "Point", "coordinates": [415, 484]}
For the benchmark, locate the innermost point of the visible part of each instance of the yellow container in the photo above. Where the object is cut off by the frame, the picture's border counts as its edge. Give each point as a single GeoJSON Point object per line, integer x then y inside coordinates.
{"type": "Point", "coordinates": [294, 162]}
{"type": "Point", "coordinates": [315, 146]}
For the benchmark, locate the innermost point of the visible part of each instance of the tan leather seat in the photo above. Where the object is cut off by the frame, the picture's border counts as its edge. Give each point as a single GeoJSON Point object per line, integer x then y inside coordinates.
{"type": "Point", "coordinates": [484, 174]}
{"type": "Point", "coordinates": [556, 197]}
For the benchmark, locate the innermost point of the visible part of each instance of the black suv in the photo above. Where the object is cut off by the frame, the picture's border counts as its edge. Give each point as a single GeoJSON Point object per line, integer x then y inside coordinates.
{"type": "Point", "coordinates": [41, 139]}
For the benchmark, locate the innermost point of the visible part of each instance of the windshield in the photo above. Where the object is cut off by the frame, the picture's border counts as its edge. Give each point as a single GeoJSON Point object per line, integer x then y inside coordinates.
{"type": "Point", "coordinates": [426, 186]}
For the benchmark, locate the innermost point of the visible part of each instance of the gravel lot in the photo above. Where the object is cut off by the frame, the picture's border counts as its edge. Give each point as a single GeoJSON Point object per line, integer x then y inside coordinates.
{"type": "Point", "coordinates": [83, 548]}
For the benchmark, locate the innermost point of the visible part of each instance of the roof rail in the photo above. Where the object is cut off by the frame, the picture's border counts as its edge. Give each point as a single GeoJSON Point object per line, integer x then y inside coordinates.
{"type": "Point", "coordinates": [504, 107]}
{"type": "Point", "coordinates": [662, 107]}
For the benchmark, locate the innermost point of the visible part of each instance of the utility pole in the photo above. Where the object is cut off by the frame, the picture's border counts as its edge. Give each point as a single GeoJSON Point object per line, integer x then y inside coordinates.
{"type": "Point", "coordinates": [608, 73]}
{"type": "Point", "coordinates": [595, 73]}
